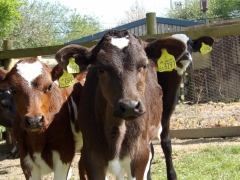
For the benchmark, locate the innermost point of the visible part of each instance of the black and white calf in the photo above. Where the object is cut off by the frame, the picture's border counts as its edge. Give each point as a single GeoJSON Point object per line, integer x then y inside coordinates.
{"type": "Point", "coordinates": [170, 83]}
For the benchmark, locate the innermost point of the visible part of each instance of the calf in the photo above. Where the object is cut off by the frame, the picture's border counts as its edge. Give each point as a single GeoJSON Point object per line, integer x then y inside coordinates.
{"type": "Point", "coordinates": [170, 83]}
{"type": "Point", "coordinates": [45, 123]}
{"type": "Point", "coordinates": [120, 103]}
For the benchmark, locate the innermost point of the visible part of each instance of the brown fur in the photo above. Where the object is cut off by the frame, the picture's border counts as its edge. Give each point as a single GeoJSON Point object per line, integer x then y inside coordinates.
{"type": "Point", "coordinates": [111, 127]}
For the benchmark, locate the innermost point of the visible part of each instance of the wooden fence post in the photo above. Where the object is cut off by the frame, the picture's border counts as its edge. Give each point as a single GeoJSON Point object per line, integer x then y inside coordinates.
{"type": "Point", "coordinates": [151, 23]}
{"type": "Point", "coordinates": [7, 45]}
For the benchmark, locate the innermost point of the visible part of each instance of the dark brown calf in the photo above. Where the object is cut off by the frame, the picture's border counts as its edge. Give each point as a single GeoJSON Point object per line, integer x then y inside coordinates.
{"type": "Point", "coordinates": [45, 123]}
{"type": "Point", "coordinates": [120, 114]}
{"type": "Point", "coordinates": [170, 83]}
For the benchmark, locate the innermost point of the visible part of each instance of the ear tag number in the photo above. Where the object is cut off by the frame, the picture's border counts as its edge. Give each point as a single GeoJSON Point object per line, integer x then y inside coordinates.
{"type": "Point", "coordinates": [72, 67]}
{"type": "Point", "coordinates": [66, 80]}
{"type": "Point", "coordinates": [166, 62]}
{"type": "Point", "coordinates": [205, 48]}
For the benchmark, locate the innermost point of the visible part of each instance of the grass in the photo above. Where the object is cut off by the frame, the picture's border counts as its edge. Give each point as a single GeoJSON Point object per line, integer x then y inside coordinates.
{"type": "Point", "coordinates": [211, 163]}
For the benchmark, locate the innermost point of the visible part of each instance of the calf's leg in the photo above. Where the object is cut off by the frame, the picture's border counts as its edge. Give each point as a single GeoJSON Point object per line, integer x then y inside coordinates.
{"type": "Point", "coordinates": [167, 150]}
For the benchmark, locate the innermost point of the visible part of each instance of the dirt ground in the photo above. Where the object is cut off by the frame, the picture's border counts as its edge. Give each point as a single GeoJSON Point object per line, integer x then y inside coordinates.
{"type": "Point", "coordinates": [10, 168]}
{"type": "Point", "coordinates": [184, 117]}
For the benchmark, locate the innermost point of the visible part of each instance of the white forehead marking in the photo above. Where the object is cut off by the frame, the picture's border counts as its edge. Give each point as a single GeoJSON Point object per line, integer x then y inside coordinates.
{"type": "Point", "coordinates": [29, 71]}
{"type": "Point", "coordinates": [182, 37]}
{"type": "Point", "coordinates": [120, 42]}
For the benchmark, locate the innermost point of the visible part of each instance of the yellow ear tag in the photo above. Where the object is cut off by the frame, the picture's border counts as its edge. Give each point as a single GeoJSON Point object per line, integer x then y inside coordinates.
{"type": "Point", "coordinates": [205, 48]}
{"type": "Point", "coordinates": [66, 79]}
{"type": "Point", "coordinates": [166, 62]}
{"type": "Point", "coordinates": [72, 67]}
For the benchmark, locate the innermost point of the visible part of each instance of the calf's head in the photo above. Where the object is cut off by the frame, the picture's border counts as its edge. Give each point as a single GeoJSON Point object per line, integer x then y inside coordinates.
{"type": "Point", "coordinates": [192, 46]}
{"type": "Point", "coordinates": [37, 98]}
{"type": "Point", "coordinates": [123, 63]}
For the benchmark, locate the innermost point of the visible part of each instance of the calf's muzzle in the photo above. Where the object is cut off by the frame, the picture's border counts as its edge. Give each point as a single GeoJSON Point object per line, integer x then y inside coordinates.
{"type": "Point", "coordinates": [128, 109]}
{"type": "Point", "coordinates": [34, 122]}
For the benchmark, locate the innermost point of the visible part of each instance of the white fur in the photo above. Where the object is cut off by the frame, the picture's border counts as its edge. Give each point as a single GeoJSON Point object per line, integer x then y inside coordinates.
{"type": "Point", "coordinates": [69, 173]}
{"type": "Point", "coordinates": [120, 42]}
{"type": "Point", "coordinates": [77, 135]}
{"type": "Point", "coordinates": [159, 132]}
{"type": "Point", "coordinates": [39, 167]}
{"type": "Point", "coordinates": [119, 168]}
{"type": "Point", "coordinates": [185, 64]}
{"type": "Point", "coordinates": [60, 169]}
{"type": "Point", "coordinates": [148, 165]}
{"type": "Point", "coordinates": [29, 71]}
{"type": "Point", "coordinates": [182, 37]}
{"type": "Point", "coordinates": [56, 82]}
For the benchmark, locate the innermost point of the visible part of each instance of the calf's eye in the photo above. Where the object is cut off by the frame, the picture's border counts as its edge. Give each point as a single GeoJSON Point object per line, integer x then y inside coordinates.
{"type": "Point", "coordinates": [143, 67]}
{"type": "Point", "coordinates": [49, 88]}
{"type": "Point", "coordinates": [12, 91]}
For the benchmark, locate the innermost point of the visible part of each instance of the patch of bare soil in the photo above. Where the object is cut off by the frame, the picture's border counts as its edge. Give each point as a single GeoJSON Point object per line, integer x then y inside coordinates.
{"type": "Point", "coordinates": [185, 116]}
{"type": "Point", "coordinates": [206, 115]}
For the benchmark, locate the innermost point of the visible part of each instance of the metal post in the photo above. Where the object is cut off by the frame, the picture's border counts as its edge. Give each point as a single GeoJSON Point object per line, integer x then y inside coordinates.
{"type": "Point", "coordinates": [204, 16]}
{"type": "Point", "coordinates": [204, 8]}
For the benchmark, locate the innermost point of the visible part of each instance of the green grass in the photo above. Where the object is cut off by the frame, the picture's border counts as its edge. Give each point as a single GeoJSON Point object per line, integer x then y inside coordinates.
{"type": "Point", "coordinates": [211, 163]}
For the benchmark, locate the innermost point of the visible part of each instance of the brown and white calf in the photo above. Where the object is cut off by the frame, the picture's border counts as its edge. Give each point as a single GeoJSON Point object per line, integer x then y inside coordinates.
{"type": "Point", "coordinates": [170, 83]}
{"type": "Point", "coordinates": [122, 102]}
{"type": "Point", "coordinates": [45, 122]}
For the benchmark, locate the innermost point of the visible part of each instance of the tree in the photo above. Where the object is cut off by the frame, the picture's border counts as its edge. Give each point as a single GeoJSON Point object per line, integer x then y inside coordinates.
{"type": "Point", "coordinates": [9, 16]}
{"type": "Point", "coordinates": [46, 23]}
{"type": "Point", "coordinates": [226, 9]}
{"type": "Point", "coordinates": [80, 26]}
{"type": "Point", "coordinates": [217, 9]}
{"type": "Point", "coordinates": [137, 11]}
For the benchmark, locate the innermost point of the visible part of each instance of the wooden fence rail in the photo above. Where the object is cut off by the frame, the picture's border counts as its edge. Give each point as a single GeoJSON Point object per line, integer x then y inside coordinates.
{"type": "Point", "coordinates": [228, 28]}
{"type": "Point", "coordinates": [215, 132]}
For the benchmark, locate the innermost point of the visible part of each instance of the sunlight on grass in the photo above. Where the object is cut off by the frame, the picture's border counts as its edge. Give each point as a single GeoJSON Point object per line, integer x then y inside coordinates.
{"type": "Point", "coordinates": [211, 163]}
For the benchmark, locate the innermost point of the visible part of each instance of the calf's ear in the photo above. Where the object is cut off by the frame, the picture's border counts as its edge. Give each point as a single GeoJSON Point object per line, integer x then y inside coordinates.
{"type": "Point", "coordinates": [57, 72]}
{"type": "Point", "coordinates": [3, 79]}
{"type": "Point", "coordinates": [173, 46]}
{"type": "Point", "coordinates": [197, 44]}
{"type": "Point", "coordinates": [79, 53]}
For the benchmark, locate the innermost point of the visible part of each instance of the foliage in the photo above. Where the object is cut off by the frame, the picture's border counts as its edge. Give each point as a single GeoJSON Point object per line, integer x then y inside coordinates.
{"type": "Point", "coordinates": [217, 9]}
{"type": "Point", "coordinates": [2, 129]}
{"type": "Point", "coordinates": [46, 23]}
{"type": "Point", "coordinates": [213, 162]}
{"type": "Point", "coordinates": [9, 16]}
{"type": "Point", "coordinates": [137, 11]}
{"type": "Point", "coordinates": [80, 26]}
